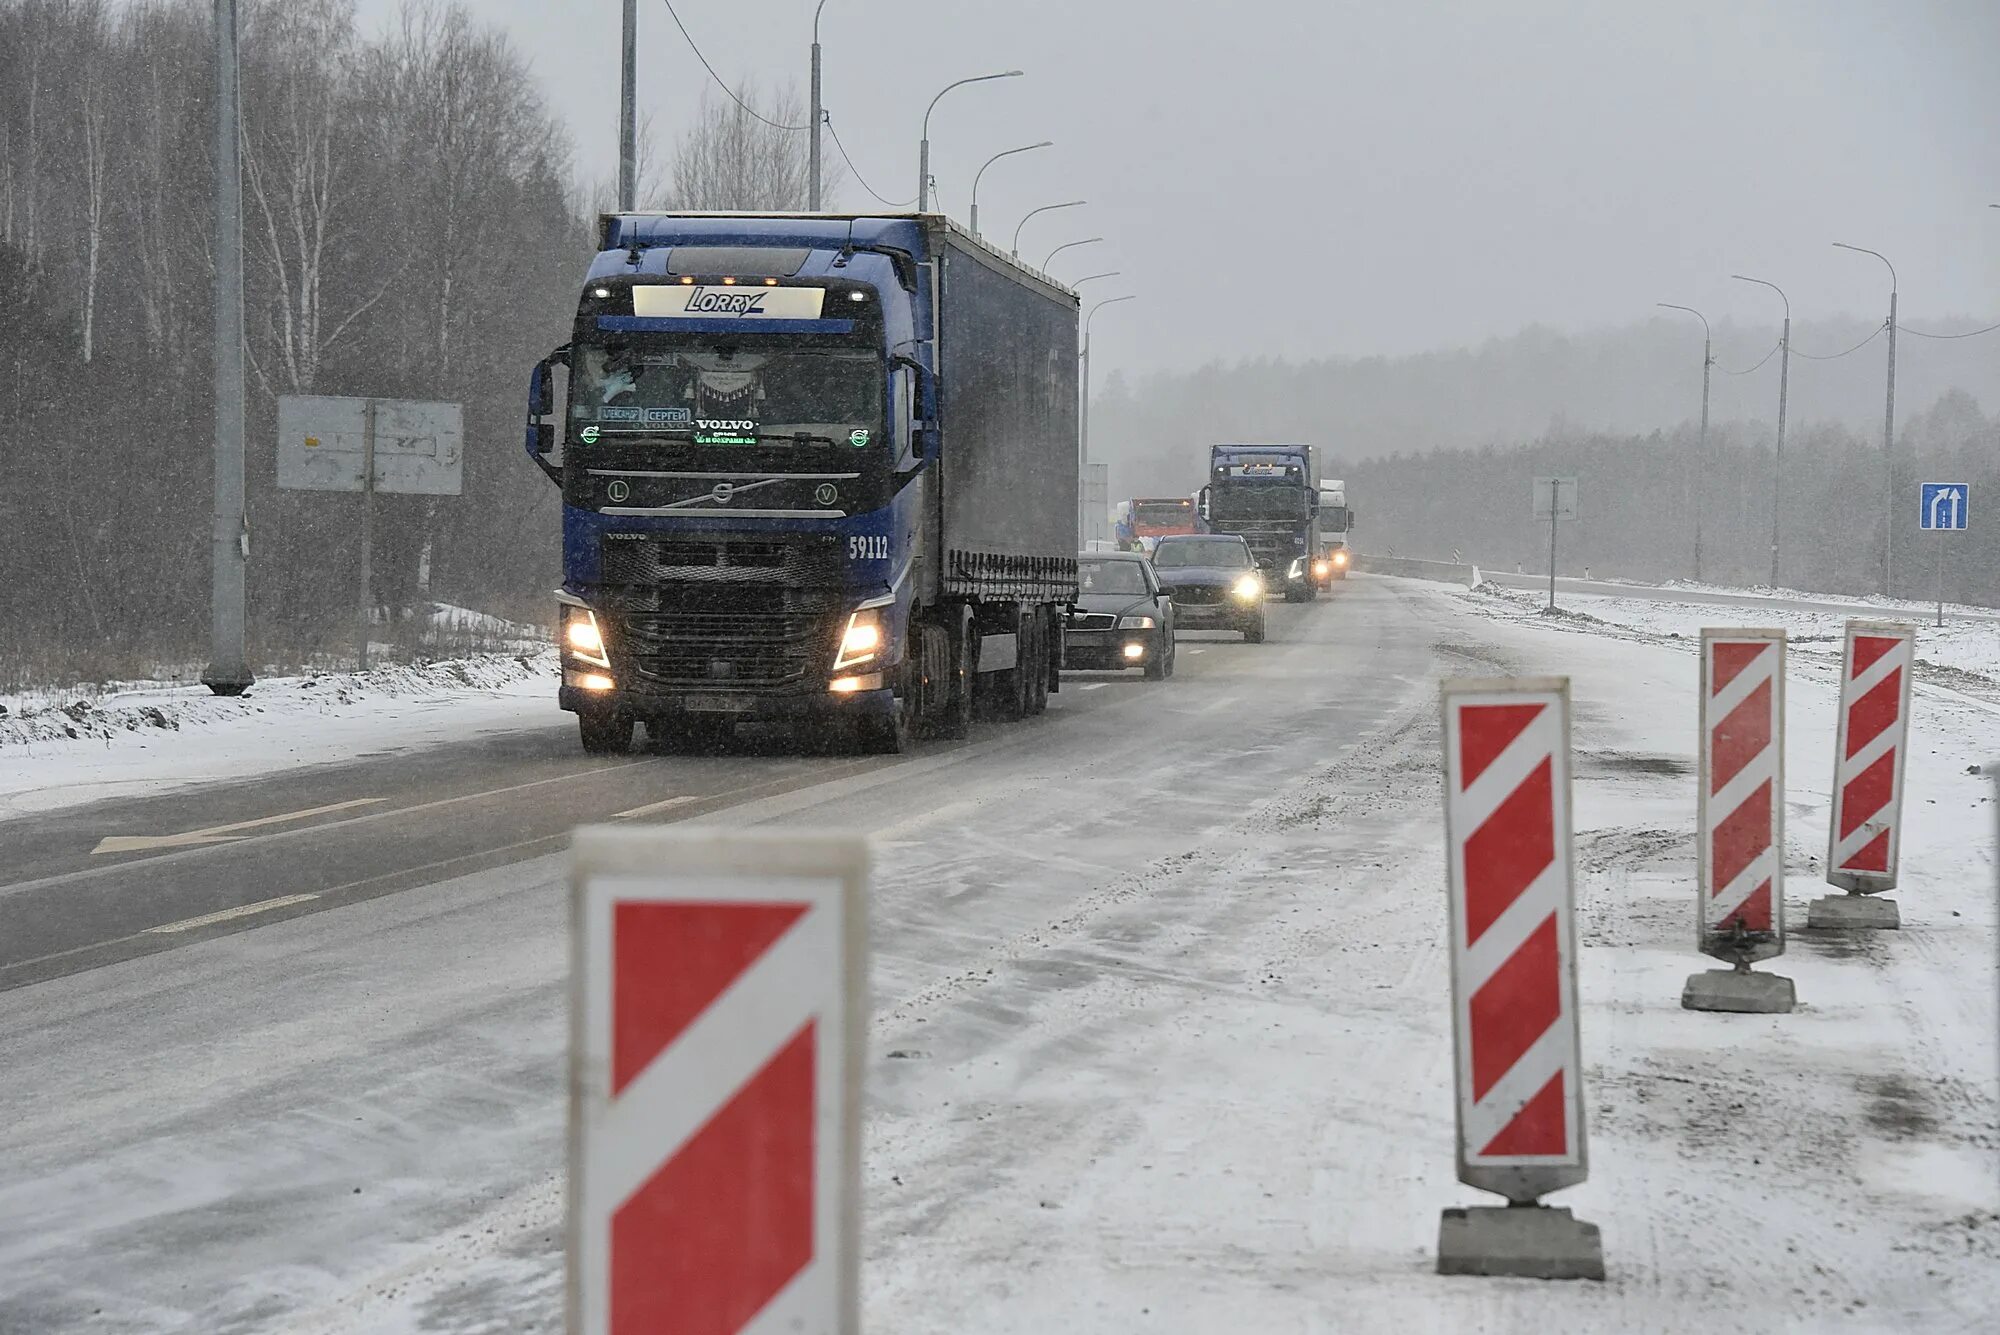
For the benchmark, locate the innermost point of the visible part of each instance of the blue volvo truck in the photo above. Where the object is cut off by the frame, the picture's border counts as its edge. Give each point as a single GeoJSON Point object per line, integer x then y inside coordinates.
{"type": "Point", "coordinates": [815, 468]}
{"type": "Point", "coordinates": [1269, 495]}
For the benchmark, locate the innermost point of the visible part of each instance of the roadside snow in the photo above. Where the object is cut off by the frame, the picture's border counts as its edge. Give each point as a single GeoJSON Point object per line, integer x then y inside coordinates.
{"type": "Point", "coordinates": [148, 737]}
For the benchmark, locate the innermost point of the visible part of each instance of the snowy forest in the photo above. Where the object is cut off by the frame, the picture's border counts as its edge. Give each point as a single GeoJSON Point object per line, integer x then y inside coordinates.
{"type": "Point", "coordinates": [1441, 448]}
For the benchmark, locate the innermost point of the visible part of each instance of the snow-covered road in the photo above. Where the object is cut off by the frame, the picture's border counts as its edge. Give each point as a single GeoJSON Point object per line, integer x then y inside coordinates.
{"type": "Point", "coordinates": [1161, 1040]}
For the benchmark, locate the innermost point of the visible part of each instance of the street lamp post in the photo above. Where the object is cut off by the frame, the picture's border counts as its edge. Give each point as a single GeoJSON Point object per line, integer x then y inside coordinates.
{"type": "Point", "coordinates": [818, 113]}
{"type": "Point", "coordinates": [924, 148]}
{"type": "Point", "coordinates": [628, 137]}
{"type": "Point", "coordinates": [1888, 427]}
{"type": "Point", "coordinates": [1701, 445]}
{"type": "Point", "coordinates": [1092, 277]}
{"type": "Point", "coordinates": [1087, 241]}
{"type": "Point", "coordinates": [1015, 247]}
{"type": "Point", "coordinates": [1083, 418]}
{"type": "Point", "coordinates": [1784, 383]}
{"type": "Point", "coordinates": [973, 221]}
{"type": "Point", "coordinates": [228, 671]}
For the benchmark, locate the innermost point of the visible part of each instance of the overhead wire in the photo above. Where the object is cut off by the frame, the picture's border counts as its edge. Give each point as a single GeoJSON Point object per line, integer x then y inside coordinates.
{"type": "Point", "coordinates": [1975, 333]}
{"type": "Point", "coordinates": [1766, 357]}
{"type": "Point", "coordinates": [1880, 330]}
{"type": "Point", "coordinates": [718, 78]}
{"type": "Point", "coordinates": [880, 197]}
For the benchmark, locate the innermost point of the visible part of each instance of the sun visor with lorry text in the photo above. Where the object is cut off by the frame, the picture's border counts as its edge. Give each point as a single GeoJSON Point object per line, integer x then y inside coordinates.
{"type": "Point", "coordinates": [736, 261]}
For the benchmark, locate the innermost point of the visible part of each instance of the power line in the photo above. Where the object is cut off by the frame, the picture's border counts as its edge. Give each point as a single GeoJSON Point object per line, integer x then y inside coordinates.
{"type": "Point", "coordinates": [1880, 330]}
{"type": "Point", "coordinates": [1767, 357]}
{"type": "Point", "coordinates": [718, 78]}
{"type": "Point", "coordinates": [1973, 334]}
{"type": "Point", "coordinates": [834, 135]}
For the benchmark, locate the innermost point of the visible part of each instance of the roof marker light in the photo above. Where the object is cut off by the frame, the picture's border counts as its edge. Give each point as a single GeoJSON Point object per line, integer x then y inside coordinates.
{"type": "Point", "coordinates": [686, 279]}
{"type": "Point", "coordinates": [601, 292]}
{"type": "Point", "coordinates": [857, 296]}
{"type": "Point", "coordinates": [770, 282]}
{"type": "Point", "coordinates": [729, 282]}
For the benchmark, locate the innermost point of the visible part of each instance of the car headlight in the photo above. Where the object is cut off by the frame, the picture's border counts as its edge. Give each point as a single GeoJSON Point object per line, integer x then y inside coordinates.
{"type": "Point", "coordinates": [1340, 557]}
{"type": "Point", "coordinates": [861, 640]}
{"type": "Point", "coordinates": [582, 636]}
{"type": "Point", "coordinates": [1321, 569]}
{"type": "Point", "coordinates": [1135, 623]}
{"type": "Point", "coordinates": [1249, 588]}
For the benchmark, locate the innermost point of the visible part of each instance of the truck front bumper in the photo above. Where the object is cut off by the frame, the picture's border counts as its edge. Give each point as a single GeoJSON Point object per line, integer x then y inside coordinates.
{"type": "Point", "coordinates": [741, 708]}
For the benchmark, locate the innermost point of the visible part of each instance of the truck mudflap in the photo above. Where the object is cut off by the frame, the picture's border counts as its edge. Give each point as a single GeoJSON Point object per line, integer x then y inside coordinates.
{"type": "Point", "coordinates": [998, 576]}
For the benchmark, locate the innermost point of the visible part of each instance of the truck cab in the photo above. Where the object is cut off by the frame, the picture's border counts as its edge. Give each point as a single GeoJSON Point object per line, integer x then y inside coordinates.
{"type": "Point", "coordinates": [1267, 495]}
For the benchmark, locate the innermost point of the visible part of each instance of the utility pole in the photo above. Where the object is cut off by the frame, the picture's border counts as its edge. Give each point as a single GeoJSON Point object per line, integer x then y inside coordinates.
{"type": "Point", "coordinates": [1701, 443]}
{"type": "Point", "coordinates": [628, 125]}
{"type": "Point", "coordinates": [818, 114]}
{"type": "Point", "coordinates": [228, 668]}
{"type": "Point", "coordinates": [1888, 426]}
{"type": "Point", "coordinates": [1784, 384]}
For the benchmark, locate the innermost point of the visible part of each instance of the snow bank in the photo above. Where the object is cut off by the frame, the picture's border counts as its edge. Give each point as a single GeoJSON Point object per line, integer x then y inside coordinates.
{"type": "Point", "coordinates": [138, 737]}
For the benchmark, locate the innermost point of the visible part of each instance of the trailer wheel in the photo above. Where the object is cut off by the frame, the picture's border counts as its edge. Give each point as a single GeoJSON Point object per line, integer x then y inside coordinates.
{"type": "Point", "coordinates": [605, 732]}
{"type": "Point", "coordinates": [1038, 665]}
{"type": "Point", "coordinates": [957, 720]}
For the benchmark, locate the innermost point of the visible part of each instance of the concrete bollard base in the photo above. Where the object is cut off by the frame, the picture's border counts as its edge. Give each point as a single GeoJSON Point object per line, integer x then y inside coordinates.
{"type": "Point", "coordinates": [1740, 991]}
{"type": "Point", "coordinates": [1529, 1242]}
{"type": "Point", "coordinates": [1853, 913]}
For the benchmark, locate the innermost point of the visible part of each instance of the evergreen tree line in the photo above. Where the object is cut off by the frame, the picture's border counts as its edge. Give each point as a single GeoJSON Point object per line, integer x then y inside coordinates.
{"type": "Point", "coordinates": [1640, 496]}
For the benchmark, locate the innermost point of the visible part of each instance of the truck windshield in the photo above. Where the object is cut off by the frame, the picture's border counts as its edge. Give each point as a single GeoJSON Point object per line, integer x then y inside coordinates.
{"type": "Point", "coordinates": [717, 394]}
{"type": "Point", "coordinates": [1223, 553]}
{"type": "Point", "coordinates": [1256, 500]}
{"type": "Point", "coordinates": [1163, 514]}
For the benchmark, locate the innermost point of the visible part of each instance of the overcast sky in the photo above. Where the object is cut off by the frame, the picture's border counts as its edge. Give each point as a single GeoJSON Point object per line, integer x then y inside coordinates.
{"type": "Point", "coordinates": [1312, 177]}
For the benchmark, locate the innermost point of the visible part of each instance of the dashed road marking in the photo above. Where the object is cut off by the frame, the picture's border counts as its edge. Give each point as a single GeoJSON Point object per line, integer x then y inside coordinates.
{"type": "Point", "coordinates": [225, 915]}
{"type": "Point", "coordinates": [218, 834]}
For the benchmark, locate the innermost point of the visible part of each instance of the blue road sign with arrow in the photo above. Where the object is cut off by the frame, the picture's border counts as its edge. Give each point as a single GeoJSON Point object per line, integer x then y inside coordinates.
{"type": "Point", "coordinates": [1947, 505]}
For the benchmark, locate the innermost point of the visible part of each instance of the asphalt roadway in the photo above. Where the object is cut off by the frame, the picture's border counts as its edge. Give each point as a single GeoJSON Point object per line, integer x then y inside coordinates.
{"type": "Point", "coordinates": [276, 1049]}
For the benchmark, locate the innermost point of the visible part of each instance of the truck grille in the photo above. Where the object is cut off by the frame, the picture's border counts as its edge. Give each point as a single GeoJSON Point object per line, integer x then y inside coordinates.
{"type": "Point", "coordinates": [713, 637]}
{"type": "Point", "coordinates": [809, 560]}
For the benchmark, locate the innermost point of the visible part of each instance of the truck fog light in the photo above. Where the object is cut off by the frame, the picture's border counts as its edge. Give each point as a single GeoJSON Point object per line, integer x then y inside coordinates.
{"type": "Point", "coordinates": [1135, 651]}
{"type": "Point", "coordinates": [867, 681]}
{"type": "Point", "coordinates": [596, 681]}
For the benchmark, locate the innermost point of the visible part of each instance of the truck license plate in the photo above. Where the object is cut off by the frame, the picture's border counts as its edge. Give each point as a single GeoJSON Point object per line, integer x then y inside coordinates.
{"type": "Point", "coordinates": [713, 704]}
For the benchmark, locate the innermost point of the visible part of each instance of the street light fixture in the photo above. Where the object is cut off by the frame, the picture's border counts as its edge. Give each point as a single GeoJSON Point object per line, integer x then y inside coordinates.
{"type": "Point", "coordinates": [1888, 425]}
{"type": "Point", "coordinates": [924, 149]}
{"type": "Point", "coordinates": [1003, 153]}
{"type": "Point", "coordinates": [1701, 445]}
{"type": "Point", "coordinates": [1087, 241]}
{"type": "Point", "coordinates": [1784, 383]}
{"type": "Point", "coordinates": [1015, 248]}
{"type": "Point", "coordinates": [1108, 273]}
{"type": "Point", "coordinates": [1083, 421]}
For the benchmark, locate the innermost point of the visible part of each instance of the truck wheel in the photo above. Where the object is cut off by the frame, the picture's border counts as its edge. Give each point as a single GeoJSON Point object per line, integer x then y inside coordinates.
{"type": "Point", "coordinates": [1040, 666]}
{"type": "Point", "coordinates": [1254, 634]}
{"type": "Point", "coordinates": [605, 733]}
{"type": "Point", "coordinates": [957, 721]}
{"type": "Point", "coordinates": [886, 734]}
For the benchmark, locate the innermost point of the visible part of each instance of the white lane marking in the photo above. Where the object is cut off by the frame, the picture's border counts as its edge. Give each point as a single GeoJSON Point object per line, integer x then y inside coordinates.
{"type": "Point", "coordinates": [218, 834]}
{"type": "Point", "coordinates": [661, 805]}
{"type": "Point", "coordinates": [1094, 686]}
{"type": "Point", "coordinates": [1197, 651]}
{"type": "Point", "coordinates": [224, 915]}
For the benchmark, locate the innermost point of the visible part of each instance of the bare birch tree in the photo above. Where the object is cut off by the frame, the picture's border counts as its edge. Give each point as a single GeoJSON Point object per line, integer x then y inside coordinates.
{"type": "Point", "coordinates": [739, 155]}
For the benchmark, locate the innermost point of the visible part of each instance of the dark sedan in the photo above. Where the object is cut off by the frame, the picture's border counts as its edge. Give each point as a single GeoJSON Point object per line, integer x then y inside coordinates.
{"type": "Point", "coordinates": [1213, 581]}
{"type": "Point", "coordinates": [1121, 620]}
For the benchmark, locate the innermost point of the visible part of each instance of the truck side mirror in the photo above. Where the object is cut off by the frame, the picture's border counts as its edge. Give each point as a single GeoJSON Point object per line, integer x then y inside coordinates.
{"type": "Point", "coordinates": [539, 438]}
{"type": "Point", "coordinates": [1201, 502]}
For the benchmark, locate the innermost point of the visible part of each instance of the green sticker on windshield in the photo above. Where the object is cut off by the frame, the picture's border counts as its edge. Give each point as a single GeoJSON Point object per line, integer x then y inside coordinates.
{"type": "Point", "coordinates": [858, 438]}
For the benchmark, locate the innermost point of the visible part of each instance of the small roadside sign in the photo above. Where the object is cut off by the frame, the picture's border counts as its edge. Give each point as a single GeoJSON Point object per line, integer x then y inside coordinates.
{"type": "Point", "coordinates": [1555, 497]}
{"type": "Point", "coordinates": [328, 443]}
{"type": "Point", "coordinates": [718, 1010]}
{"type": "Point", "coordinates": [1947, 506]}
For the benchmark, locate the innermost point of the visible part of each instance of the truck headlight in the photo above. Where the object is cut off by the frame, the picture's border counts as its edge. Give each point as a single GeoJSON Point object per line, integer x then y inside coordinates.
{"type": "Point", "coordinates": [861, 640]}
{"type": "Point", "coordinates": [582, 637]}
{"type": "Point", "coordinates": [1321, 569]}
{"type": "Point", "coordinates": [1298, 569]}
{"type": "Point", "coordinates": [1249, 588]}
{"type": "Point", "coordinates": [1135, 623]}
{"type": "Point", "coordinates": [1340, 557]}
